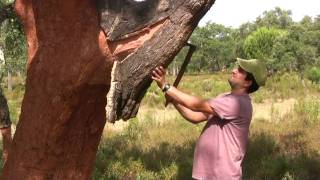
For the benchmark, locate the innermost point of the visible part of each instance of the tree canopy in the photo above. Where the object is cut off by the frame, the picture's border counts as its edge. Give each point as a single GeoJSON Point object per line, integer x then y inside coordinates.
{"type": "Point", "coordinates": [274, 37]}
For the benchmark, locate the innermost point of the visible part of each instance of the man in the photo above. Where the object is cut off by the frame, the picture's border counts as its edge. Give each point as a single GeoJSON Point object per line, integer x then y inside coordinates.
{"type": "Point", "coordinates": [221, 146]}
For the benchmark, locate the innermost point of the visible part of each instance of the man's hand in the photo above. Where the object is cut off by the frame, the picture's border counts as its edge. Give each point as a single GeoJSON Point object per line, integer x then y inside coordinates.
{"type": "Point", "coordinates": [159, 75]}
{"type": "Point", "coordinates": [176, 96]}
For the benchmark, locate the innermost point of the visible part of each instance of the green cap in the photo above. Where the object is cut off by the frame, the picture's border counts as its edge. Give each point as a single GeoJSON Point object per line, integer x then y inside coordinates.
{"type": "Point", "coordinates": [256, 67]}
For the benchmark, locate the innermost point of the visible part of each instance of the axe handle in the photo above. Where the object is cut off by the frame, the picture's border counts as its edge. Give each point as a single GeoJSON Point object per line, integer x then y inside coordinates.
{"type": "Point", "coordinates": [192, 48]}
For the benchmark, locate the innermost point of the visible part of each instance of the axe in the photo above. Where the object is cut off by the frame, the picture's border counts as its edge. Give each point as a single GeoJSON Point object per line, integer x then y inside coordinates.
{"type": "Point", "coordinates": [183, 68]}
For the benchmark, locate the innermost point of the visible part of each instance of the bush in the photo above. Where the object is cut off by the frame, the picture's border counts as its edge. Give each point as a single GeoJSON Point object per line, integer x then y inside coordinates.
{"type": "Point", "coordinates": [313, 74]}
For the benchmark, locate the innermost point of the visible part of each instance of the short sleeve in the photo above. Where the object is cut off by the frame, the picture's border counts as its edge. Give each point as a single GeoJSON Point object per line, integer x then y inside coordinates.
{"type": "Point", "coordinates": [227, 107]}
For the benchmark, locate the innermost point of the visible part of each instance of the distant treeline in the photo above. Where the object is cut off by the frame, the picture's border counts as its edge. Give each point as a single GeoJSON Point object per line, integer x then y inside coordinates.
{"type": "Point", "coordinates": [274, 37]}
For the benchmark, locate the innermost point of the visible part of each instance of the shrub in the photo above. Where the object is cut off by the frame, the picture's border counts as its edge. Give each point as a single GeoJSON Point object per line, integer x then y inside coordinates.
{"type": "Point", "coordinates": [313, 74]}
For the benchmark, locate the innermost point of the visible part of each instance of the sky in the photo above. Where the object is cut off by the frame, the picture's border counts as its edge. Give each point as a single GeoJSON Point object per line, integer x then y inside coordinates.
{"type": "Point", "coordinates": [236, 12]}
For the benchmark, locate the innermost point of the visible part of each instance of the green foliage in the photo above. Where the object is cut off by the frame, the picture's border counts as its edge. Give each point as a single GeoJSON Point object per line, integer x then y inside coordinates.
{"type": "Point", "coordinates": [12, 41]}
{"type": "Point", "coordinates": [277, 18]}
{"type": "Point", "coordinates": [313, 74]}
{"type": "Point", "coordinates": [14, 44]}
{"type": "Point", "coordinates": [285, 45]}
{"type": "Point", "coordinates": [240, 35]}
{"type": "Point", "coordinates": [259, 44]}
{"type": "Point", "coordinates": [292, 51]}
{"type": "Point", "coordinates": [215, 49]}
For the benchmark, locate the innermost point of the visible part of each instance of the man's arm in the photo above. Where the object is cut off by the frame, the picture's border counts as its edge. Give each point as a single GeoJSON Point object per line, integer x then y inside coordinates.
{"type": "Point", "coordinates": [191, 116]}
{"type": "Point", "coordinates": [178, 97]}
{"type": "Point", "coordinates": [191, 102]}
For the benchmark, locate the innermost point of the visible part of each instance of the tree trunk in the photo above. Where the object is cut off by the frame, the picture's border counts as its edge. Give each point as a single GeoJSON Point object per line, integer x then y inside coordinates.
{"type": "Point", "coordinates": [72, 62]}
{"type": "Point", "coordinates": [62, 115]}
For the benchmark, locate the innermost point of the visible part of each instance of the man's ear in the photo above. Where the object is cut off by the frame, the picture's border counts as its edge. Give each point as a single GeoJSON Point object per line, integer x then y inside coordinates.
{"type": "Point", "coordinates": [248, 83]}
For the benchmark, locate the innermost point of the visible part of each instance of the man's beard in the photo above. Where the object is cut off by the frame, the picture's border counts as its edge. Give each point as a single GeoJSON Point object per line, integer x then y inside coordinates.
{"type": "Point", "coordinates": [233, 85]}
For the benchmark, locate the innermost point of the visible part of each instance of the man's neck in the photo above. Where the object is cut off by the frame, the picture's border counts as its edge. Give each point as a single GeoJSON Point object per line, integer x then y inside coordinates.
{"type": "Point", "coordinates": [240, 91]}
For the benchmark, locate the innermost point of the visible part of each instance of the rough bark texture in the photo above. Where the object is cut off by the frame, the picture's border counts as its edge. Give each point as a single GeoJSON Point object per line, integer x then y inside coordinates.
{"type": "Point", "coordinates": [174, 19]}
{"type": "Point", "coordinates": [70, 64]}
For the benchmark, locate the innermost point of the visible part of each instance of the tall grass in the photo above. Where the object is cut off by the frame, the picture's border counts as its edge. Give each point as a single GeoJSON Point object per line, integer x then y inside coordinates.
{"type": "Point", "coordinates": [284, 86]}
{"type": "Point", "coordinates": [308, 110]}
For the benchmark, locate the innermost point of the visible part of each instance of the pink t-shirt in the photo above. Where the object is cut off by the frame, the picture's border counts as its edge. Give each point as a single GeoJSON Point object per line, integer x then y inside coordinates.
{"type": "Point", "coordinates": [222, 144]}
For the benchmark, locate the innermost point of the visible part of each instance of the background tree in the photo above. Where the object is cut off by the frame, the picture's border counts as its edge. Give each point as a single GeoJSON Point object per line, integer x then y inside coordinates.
{"type": "Point", "coordinates": [276, 18]}
{"type": "Point", "coordinates": [260, 44]}
{"type": "Point", "coordinates": [215, 48]}
{"type": "Point", "coordinates": [12, 42]}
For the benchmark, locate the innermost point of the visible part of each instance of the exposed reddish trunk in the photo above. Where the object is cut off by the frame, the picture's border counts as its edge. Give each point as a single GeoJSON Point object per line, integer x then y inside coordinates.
{"type": "Point", "coordinates": [63, 112]}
